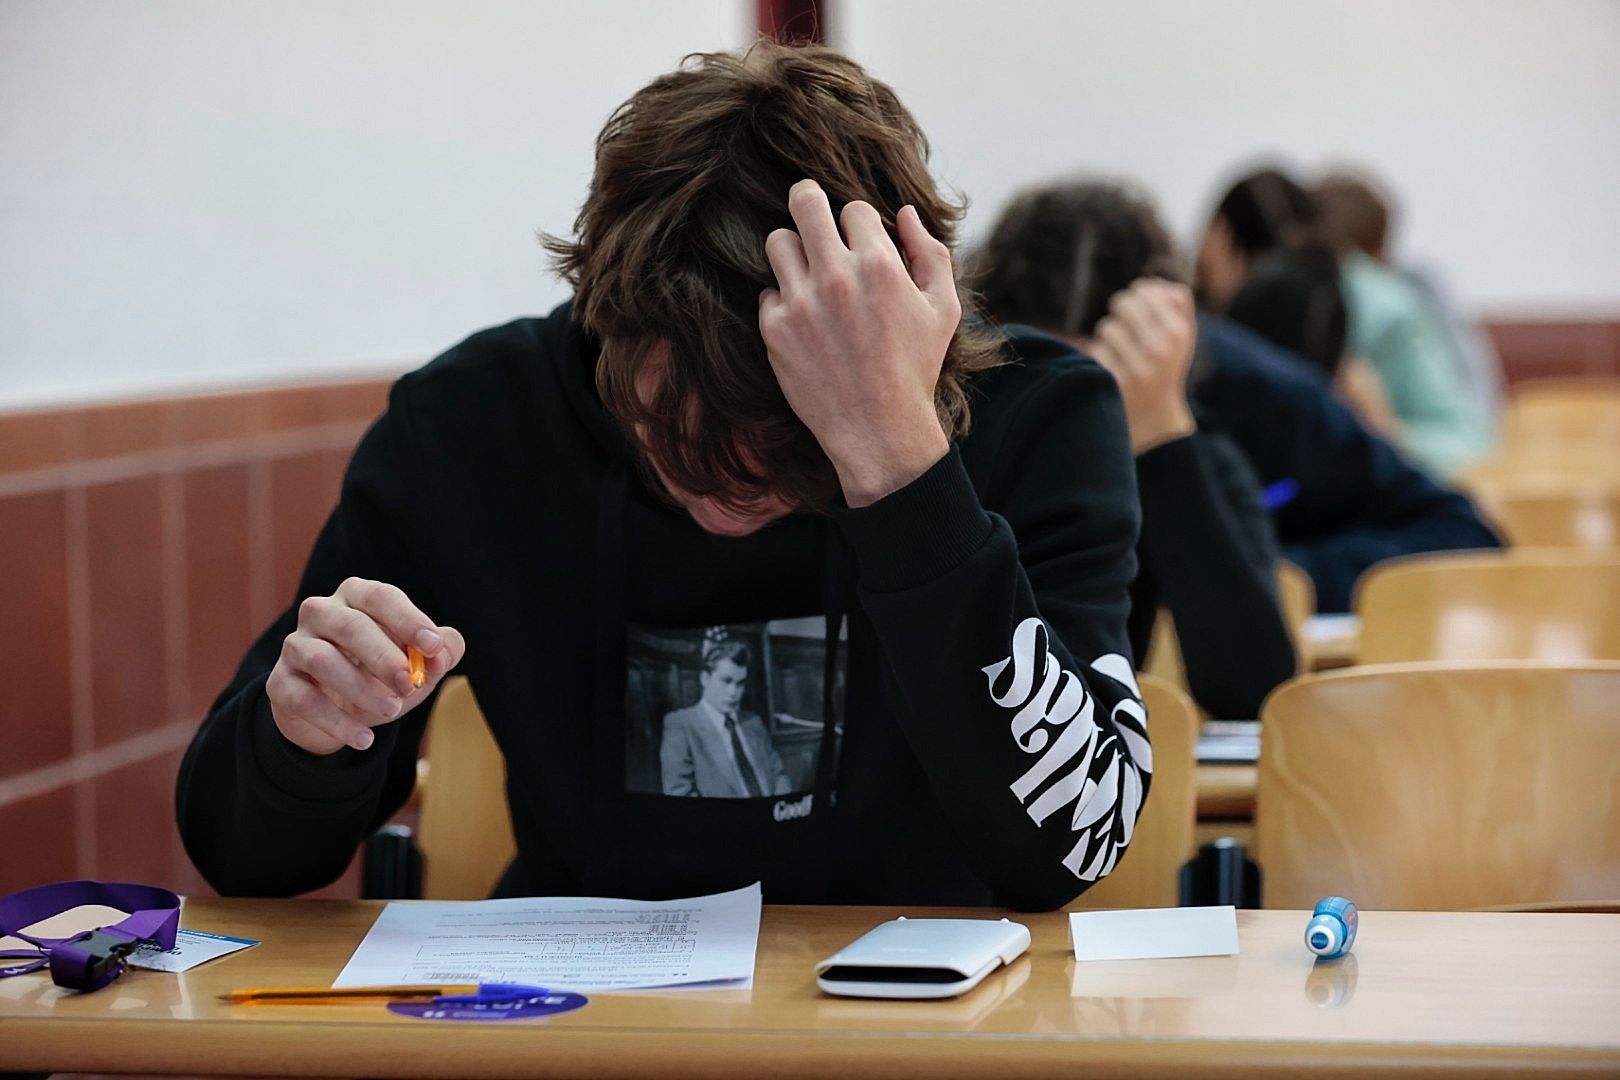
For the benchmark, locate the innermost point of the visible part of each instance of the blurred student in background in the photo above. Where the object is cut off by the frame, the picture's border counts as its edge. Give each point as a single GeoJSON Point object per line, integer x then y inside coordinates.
{"type": "Point", "coordinates": [1341, 498]}
{"type": "Point", "coordinates": [1292, 298]}
{"type": "Point", "coordinates": [1265, 263]}
{"type": "Point", "coordinates": [1357, 217]}
{"type": "Point", "coordinates": [1090, 264]}
{"type": "Point", "coordinates": [1391, 324]}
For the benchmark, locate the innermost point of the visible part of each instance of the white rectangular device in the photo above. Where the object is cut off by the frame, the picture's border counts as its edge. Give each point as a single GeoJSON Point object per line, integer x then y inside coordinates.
{"type": "Point", "coordinates": [922, 958]}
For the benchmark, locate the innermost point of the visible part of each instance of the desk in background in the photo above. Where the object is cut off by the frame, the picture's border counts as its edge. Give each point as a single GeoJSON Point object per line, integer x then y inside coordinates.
{"type": "Point", "coordinates": [1424, 994]}
{"type": "Point", "coordinates": [1332, 640]}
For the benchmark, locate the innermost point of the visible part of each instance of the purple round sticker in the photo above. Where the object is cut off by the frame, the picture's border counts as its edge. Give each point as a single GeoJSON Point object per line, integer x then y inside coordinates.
{"type": "Point", "coordinates": [523, 1008]}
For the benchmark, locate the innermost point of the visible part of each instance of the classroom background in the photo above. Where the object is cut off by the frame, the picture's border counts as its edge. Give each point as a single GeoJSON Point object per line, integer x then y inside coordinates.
{"type": "Point", "coordinates": [225, 227]}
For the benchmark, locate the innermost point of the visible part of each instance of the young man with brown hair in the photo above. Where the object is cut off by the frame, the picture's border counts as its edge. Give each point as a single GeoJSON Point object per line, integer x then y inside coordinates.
{"type": "Point", "coordinates": [762, 409]}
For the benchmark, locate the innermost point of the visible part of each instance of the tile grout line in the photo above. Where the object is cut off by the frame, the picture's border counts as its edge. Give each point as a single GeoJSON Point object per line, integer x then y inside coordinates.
{"type": "Point", "coordinates": [261, 567]}
{"type": "Point", "coordinates": [176, 600]}
{"type": "Point", "coordinates": [80, 769]}
{"type": "Point", "coordinates": [81, 692]}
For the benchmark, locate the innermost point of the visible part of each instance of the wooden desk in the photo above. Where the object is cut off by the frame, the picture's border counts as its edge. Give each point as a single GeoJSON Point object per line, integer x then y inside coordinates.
{"type": "Point", "coordinates": [1425, 994]}
{"type": "Point", "coordinates": [1333, 641]}
{"type": "Point", "coordinates": [1226, 792]}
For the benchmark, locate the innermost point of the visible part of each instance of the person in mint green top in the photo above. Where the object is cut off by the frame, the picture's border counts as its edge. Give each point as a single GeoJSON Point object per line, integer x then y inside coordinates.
{"type": "Point", "coordinates": [1439, 391]}
{"type": "Point", "coordinates": [1395, 329]}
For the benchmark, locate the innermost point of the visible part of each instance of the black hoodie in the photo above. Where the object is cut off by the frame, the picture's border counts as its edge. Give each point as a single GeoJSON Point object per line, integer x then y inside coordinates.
{"type": "Point", "coordinates": [977, 738]}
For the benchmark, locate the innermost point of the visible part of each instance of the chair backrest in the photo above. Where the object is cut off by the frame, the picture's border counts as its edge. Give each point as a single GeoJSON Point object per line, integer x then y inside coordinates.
{"type": "Point", "coordinates": [1442, 787]}
{"type": "Point", "coordinates": [1519, 604]}
{"type": "Point", "coordinates": [1563, 513]}
{"type": "Point", "coordinates": [1296, 594]}
{"type": "Point", "coordinates": [1149, 874]}
{"type": "Point", "coordinates": [1581, 411]}
{"type": "Point", "coordinates": [465, 830]}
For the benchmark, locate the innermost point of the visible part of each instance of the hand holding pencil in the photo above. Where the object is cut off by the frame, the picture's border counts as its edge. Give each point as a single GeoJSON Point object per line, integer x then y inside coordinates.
{"type": "Point", "coordinates": [360, 658]}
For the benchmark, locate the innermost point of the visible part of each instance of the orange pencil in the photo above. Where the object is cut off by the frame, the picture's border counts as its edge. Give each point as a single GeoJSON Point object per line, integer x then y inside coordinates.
{"type": "Point", "coordinates": [418, 666]}
{"type": "Point", "coordinates": [326, 995]}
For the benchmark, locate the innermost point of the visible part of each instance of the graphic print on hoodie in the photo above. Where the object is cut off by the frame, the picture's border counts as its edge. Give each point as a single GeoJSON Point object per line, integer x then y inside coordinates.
{"type": "Point", "coordinates": [745, 711]}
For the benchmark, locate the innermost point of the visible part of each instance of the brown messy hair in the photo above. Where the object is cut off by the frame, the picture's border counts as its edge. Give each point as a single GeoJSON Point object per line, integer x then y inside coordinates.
{"type": "Point", "coordinates": [692, 174]}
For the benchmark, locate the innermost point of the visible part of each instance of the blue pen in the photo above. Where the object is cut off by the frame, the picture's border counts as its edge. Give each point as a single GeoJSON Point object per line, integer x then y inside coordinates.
{"type": "Point", "coordinates": [1332, 929]}
{"type": "Point", "coordinates": [1278, 495]}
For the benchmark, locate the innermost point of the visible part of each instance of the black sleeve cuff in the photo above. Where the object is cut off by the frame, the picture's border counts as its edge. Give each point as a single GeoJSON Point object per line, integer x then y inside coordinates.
{"type": "Point", "coordinates": [341, 777]}
{"type": "Point", "coordinates": [919, 533]}
{"type": "Point", "coordinates": [1170, 473]}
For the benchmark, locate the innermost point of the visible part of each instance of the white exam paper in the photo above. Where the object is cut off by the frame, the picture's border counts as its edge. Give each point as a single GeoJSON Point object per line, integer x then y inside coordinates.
{"type": "Point", "coordinates": [191, 947]}
{"type": "Point", "coordinates": [563, 943]}
{"type": "Point", "coordinates": [1320, 629]}
{"type": "Point", "coordinates": [1153, 933]}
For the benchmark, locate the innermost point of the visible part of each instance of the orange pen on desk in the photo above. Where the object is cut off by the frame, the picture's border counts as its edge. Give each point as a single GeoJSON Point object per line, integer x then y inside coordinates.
{"type": "Point", "coordinates": [482, 993]}
{"type": "Point", "coordinates": [327, 995]}
{"type": "Point", "coordinates": [418, 664]}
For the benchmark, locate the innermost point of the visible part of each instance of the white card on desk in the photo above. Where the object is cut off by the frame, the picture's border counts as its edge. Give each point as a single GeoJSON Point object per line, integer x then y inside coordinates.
{"type": "Point", "coordinates": [191, 947]}
{"type": "Point", "coordinates": [1153, 933]}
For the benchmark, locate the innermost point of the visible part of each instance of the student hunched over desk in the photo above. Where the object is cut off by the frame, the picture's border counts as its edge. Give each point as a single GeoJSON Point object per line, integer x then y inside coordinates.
{"type": "Point", "coordinates": [597, 499]}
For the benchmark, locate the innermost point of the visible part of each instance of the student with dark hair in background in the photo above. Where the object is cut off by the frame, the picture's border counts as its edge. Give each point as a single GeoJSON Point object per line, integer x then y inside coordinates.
{"type": "Point", "coordinates": [1090, 264]}
{"type": "Point", "coordinates": [1391, 326]}
{"type": "Point", "coordinates": [1342, 499]}
{"type": "Point", "coordinates": [1292, 298]}
{"type": "Point", "coordinates": [1260, 213]}
{"type": "Point", "coordinates": [756, 407]}
{"type": "Point", "coordinates": [1266, 263]}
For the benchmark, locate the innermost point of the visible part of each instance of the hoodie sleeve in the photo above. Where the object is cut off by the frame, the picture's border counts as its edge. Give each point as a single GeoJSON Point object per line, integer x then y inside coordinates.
{"type": "Point", "coordinates": [258, 815]}
{"type": "Point", "coordinates": [1003, 636]}
{"type": "Point", "coordinates": [1208, 541]}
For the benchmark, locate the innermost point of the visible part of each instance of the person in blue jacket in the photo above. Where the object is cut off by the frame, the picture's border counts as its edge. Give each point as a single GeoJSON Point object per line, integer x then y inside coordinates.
{"type": "Point", "coordinates": [1341, 498]}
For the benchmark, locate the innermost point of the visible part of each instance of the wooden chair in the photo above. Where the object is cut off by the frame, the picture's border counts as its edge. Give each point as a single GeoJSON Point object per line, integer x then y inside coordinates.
{"type": "Point", "coordinates": [1442, 787]}
{"type": "Point", "coordinates": [1579, 411]}
{"type": "Point", "coordinates": [1149, 874]}
{"type": "Point", "coordinates": [465, 830]}
{"type": "Point", "coordinates": [1559, 512]}
{"type": "Point", "coordinates": [1296, 593]}
{"type": "Point", "coordinates": [1523, 604]}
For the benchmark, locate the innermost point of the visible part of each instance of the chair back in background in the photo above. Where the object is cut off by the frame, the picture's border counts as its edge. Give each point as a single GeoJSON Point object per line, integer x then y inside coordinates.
{"type": "Point", "coordinates": [1580, 411]}
{"type": "Point", "coordinates": [1441, 786]}
{"type": "Point", "coordinates": [465, 831]}
{"type": "Point", "coordinates": [1149, 874]}
{"type": "Point", "coordinates": [1570, 512]}
{"type": "Point", "coordinates": [1296, 594]}
{"type": "Point", "coordinates": [1519, 604]}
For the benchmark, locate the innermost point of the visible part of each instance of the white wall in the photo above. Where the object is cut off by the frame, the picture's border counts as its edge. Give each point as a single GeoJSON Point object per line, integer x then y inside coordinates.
{"type": "Point", "coordinates": [198, 192]}
{"type": "Point", "coordinates": [1496, 121]}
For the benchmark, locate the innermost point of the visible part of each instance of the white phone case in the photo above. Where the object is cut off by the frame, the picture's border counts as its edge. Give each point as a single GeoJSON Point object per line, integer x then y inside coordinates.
{"type": "Point", "coordinates": [922, 958]}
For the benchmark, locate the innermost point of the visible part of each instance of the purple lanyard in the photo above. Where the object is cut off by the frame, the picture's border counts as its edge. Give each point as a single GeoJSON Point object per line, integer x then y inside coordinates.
{"type": "Point", "coordinates": [90, 960]}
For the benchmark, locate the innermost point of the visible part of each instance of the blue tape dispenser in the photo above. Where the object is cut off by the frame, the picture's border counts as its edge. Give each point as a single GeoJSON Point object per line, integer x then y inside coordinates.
{"type": "Point", "coordinates": [1332, 929]}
